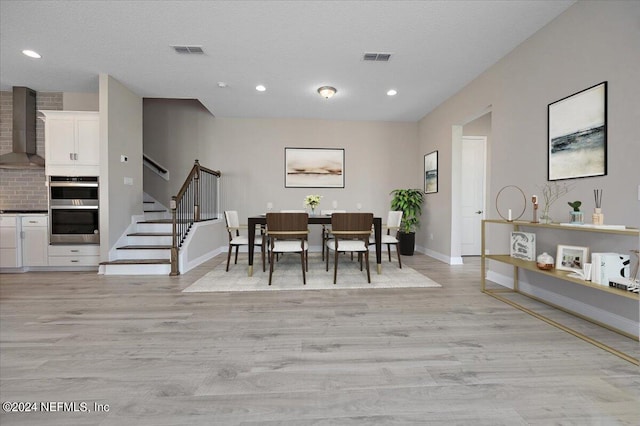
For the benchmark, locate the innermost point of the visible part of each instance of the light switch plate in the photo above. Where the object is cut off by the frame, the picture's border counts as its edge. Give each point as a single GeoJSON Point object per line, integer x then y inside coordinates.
{"type": "Point", "coordinates": [128, 181]}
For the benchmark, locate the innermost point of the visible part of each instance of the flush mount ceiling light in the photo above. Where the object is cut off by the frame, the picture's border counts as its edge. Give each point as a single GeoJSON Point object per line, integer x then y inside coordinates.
{"type": "Point", "coordinates": [31, 54]}
{"type": "Point", "coordinates": [260, 88]}
{"type": "Point", "coordinates": [222, 84]}
{"type": "Point", "coordinates": [392, 92]}
{"type": "Point", "coordinates": [327, 91]}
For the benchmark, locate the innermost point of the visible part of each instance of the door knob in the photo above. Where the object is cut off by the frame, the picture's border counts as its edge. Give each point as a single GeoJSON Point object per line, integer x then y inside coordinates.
{"type": "Point", "coordinates": [479, 212]}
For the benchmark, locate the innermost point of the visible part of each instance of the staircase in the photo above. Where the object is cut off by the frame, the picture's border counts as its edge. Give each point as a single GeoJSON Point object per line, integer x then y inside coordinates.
{"type": "Point", "coordinates": [148, 248]}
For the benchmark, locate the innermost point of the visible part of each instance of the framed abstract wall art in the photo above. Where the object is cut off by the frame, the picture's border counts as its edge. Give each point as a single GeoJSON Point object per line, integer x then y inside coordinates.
{"type": "Point", "coordinates": [577, 135]}
{"type": "Point", "coordinates": [314, 168]}
{"type": "Point", "coordinates": [431, 173]}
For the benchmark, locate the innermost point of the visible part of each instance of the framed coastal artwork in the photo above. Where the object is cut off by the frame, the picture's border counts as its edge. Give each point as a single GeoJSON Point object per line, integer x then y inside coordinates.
{"type": "Point", "coordinates": [431, 173]}
{"type": "Point", "coordinates": [577, 134]}
{"type": "Point", "coordinates": [314, 168]}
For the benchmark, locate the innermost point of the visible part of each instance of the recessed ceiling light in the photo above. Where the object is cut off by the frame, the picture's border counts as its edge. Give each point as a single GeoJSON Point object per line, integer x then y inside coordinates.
{"type": "Point", "coordinates": [31, 54]}
{"type": "Point", "coordinates": [222, 84]}
{"type": "Point", "coordinates": [392, 92]}
{"type": "Point", "coordinates": [260, 88]}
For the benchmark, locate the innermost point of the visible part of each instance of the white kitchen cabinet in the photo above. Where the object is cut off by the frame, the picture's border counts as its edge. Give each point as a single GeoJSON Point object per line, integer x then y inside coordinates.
{"type": "Point", "coordinates": [35, 240]}
{"type": "Point", "coordinates": [72, 143]}
{"type": "Point", "coordinates": [74, 255]}
{"type": "Point", "coordinates": [10, 250]}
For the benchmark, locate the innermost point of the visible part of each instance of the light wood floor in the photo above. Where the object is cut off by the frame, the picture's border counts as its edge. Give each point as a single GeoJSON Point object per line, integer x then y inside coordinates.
{"type": "Point", "coordinates": [432, 356]}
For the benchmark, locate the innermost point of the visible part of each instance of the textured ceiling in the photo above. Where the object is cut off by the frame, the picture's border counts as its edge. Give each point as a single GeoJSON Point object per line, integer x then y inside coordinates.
{"type": "Point", "coordinates": [292, 47]}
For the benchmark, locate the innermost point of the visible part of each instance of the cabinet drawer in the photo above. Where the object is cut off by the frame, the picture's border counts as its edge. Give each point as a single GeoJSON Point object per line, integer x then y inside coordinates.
{"type": "Point", "coordinates": [6, 221]}
{"type": "Point", "coordinates": [31, 221]}
{"type": "Point", "coordinates": [74, 250]}
{"type": "Point", "coordinates": [74, 260]}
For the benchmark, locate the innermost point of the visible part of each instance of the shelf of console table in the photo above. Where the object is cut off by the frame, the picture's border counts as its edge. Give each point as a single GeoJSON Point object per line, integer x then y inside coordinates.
{"type": "Point", "coordinates": [562, 276]}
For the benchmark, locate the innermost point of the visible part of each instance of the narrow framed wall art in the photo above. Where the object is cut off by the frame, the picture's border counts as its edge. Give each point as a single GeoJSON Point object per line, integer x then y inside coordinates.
{"type": "Point", "coordinates": [431, 173]}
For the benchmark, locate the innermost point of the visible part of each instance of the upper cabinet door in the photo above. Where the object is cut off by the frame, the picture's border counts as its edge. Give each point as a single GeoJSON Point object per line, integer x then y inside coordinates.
{"type": "Point", "coordinates": [60, 141]}
{"type": "Point", "coordinates": [88, 141]}
{"type": "Point", "coordinates": [72, 143]}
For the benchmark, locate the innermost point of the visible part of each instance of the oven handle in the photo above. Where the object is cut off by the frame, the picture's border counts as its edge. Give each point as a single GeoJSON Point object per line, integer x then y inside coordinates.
{"type": "Point", "coordinates": [74, 207]}
{"type": "Point", "coordinates": [76, 184]}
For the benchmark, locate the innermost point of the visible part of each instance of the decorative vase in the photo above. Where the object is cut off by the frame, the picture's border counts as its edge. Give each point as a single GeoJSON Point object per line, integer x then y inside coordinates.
{"type": "Point", "coordinates": [313, 211]}
{"type": "Point", "coordinates": [545, 218]}
{"type": "Point", "coordinates": [598, 217]}
{"type": "Point", "coordinates": [545, 261]}
{"type": "Point", "coordinates": [577, 218]}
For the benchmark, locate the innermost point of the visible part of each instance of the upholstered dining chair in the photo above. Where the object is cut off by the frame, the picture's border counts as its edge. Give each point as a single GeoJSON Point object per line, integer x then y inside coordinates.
{"type": "Point", "coordinates": [326, 229]}
{"type": "Point", "coordinates": [391, 237]}
{"type": "Point", "coordinates": [236, 240]}
{"type": "Point", "coordinates": [351, 232]}
{"type": "Point", "coordinates": [288, 233]}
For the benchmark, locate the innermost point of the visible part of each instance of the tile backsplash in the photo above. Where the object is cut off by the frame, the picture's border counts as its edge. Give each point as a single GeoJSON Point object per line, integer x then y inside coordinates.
{"type": "Point", "coordinates": [24, 189]}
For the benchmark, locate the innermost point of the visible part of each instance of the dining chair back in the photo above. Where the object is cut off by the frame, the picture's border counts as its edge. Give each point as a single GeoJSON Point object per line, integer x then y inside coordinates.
{"type": "Point", "coordinates": [351, 232]}
{"type": "Point", "coordinates": [288, 233]}
{"type": "Point", "coordinates": [326, 229]}
{"type": "Point", "coordinates": [236, 239]}
{"type": "Point", "coordinates": [394, 218]}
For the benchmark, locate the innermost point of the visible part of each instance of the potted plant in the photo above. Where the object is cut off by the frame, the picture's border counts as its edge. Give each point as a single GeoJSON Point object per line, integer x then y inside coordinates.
{"type": "Point", "coordinates": [576, 215]}
{"type": "Point", "coordinates": [409, 201]}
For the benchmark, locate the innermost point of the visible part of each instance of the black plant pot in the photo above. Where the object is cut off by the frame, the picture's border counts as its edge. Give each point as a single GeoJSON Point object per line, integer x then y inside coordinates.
{"type": "Point", "coordinates": [407, 243]}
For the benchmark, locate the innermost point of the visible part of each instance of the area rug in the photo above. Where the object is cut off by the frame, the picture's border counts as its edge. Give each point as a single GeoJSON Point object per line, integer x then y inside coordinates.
{"type": "Point", "coordinates": [287, 275]}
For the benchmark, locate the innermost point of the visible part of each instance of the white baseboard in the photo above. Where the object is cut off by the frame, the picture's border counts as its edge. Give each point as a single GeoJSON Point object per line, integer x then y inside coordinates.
{"type": "Point", "coordinates": [439, 256]}
{"type": "Point", "coordinates": [187, 266]}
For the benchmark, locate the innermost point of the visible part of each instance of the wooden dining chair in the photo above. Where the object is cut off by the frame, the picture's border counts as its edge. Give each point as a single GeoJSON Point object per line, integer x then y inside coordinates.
{"type": "Point", "coordinates": [326, 229]}
{"type": "Point", "coordinates": [236, 240]}
{"type": "Point", "coordinates": [351, 232]}
{"type": "Point", "coordinates": [288, 233]}
{"type": "Point", "coordinates": [391, 236]}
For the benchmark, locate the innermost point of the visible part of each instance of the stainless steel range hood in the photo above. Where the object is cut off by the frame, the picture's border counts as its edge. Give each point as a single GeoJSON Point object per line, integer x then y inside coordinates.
{"type": "Point", "coordinates": [24, 154]}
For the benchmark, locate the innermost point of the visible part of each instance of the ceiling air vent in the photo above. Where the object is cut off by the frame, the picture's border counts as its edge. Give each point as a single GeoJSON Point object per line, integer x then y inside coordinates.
{"type": "Point", "coordinates": [188, 49]}
{"type": "Point", "coordinates": [378, 57]}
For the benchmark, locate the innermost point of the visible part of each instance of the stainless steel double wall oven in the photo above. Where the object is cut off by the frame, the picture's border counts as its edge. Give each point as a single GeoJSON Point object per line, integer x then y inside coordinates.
{"type": "Point", "coordinates": [74, 213]}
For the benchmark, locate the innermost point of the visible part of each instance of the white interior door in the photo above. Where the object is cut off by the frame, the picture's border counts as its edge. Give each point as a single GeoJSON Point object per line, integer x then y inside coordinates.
{"type": "Point", "coordinates": [473, 182]}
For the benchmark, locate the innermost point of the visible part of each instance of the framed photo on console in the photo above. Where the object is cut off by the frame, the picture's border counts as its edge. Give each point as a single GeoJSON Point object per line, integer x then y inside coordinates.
{"type": "Point", "coordinates": [570, 258]}
{"type": "Point", "coordinates": [577, 134]}
{"type": "Point", "coordinates": [313, 168]}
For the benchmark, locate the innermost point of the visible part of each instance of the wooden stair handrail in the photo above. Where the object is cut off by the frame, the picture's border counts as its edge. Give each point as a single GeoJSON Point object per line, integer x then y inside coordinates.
{"type": "Point", "coordinates": [193, 178]}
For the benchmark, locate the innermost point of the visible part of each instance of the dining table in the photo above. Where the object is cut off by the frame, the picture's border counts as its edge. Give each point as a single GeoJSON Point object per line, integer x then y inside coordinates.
{"type": "Point", "coordinates": [318, 219]}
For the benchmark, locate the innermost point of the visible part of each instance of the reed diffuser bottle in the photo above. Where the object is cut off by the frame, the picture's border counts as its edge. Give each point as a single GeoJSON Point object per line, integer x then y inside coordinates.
{"type": "Point", "coordinates": [598, 217]}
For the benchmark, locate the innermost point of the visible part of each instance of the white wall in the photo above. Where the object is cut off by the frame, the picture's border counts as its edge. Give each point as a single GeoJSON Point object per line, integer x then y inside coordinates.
{"type": "Point", "coordinates": [589, 43]}
{"type": "Point", "coordinates": [120, 134]}
{"type": "Point", "coordinates": [379, 157]}
{"type": "Point", "coordinates": [80, 101]}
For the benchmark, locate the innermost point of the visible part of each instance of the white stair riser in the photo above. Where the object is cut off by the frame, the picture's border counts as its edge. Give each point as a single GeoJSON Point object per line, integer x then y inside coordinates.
{"type": "Point", "coordinates": [154, 227]}
{"type": "Point", "coordinates": [144, 254]}
{"type": "Point", "coordinates": [155, 215]}
{"type": "Point", "coordinates": [148, 240]}
{"type": "Point", "coordinates": [137, 269]}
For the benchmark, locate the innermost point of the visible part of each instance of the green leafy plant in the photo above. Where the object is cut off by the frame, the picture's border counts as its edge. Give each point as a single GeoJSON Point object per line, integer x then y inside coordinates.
{"type": "Point", "coordinates": [409, 201]}
{"type": "Point", "coordinates": [576, 205]}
